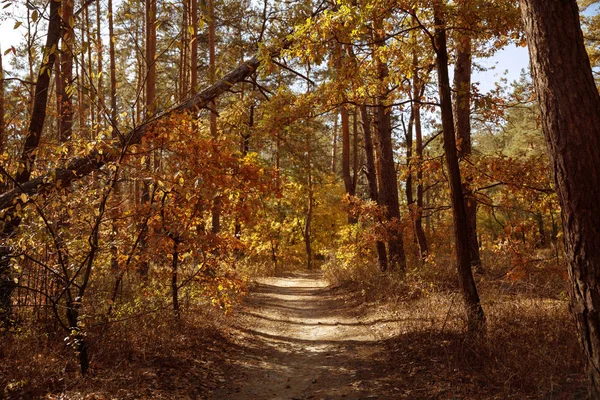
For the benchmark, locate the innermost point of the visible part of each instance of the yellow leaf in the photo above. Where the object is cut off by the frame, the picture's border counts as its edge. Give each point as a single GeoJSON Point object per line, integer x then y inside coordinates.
{"type": "Point", "coordinates": [24, 197]}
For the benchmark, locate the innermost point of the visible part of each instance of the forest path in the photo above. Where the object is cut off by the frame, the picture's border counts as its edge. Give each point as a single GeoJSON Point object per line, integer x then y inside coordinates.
{"type": "Point", "coordinates": [299, 339]}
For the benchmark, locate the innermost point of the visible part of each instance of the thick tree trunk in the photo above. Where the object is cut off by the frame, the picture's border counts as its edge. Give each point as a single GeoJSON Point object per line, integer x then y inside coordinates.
{"type": "Point", "coordinates": [388, 189]}
{"type": "Point", "coordinates": [462, 126]}
{"type": "Point", "coordinates": [372, 180]}
{"type": "Point", "coordinates": [474, 311]}
{"type": "Point", "coordinates": [570, 111]}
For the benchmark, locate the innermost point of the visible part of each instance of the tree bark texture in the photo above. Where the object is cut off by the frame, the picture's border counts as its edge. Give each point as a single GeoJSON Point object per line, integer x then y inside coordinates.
{"type": "Point", "coordinates": [462, 126]}
{"type": "Point", "coordinates": [474, 311]}
{"type": "Point", "coordinates": [372, 179]}
{"type": "Point", "coordinates": [570, 113]}
{"type": "Point", "coordinates": [417, 210]}
{"type": "Point", "coordinates": [388, 189]}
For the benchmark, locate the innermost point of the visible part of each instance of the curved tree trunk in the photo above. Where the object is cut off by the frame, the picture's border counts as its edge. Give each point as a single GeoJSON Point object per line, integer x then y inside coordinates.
{"type": "Point", "coordinates": [570, 111]}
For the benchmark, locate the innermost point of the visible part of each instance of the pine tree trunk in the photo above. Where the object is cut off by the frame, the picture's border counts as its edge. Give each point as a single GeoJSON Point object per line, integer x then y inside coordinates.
{"type": "Point", "coordinates": [570, 114]}
{"type": "Point", "coordinates": [462, 126]}
{"type": "Point", "coordinates": [474, 312]}
{"type": "Point", "coordinates": [150, 110]}
{"type": "Point", "coordinates": [388, 188]}
{"type": "Point", "coordinates": [216, 210]}
{"type": "Point", "coordinates": [372, 180]}
{"type": "Point", "coordinates": [418, 88]}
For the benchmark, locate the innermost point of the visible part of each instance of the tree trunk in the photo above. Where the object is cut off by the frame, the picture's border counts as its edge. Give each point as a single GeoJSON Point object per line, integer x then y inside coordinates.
{"type": "Point", "coordinates": [216, 210]}
{"type": "Point", "coordinates": [348, 181]}
{"type": "Point", "coordinates": [570, 113]}
{"type": "Point", "coordinates": [462, 126]}
{"type": "Point", "coordinates": [334, 147]}
{"type": "Point", "coordinates": [2, 113]}
{"type": "Point", "coordinates": [388, 188]}
{"type": "Point", "coordinates": [194, 49]}
{"type": "Point", "coordinates": [99, 72]}
{"type": "Point", "coordinates": [65, 79]}
{"type": "Point", "coordinates": [372, 180]}
{"type": "Point", "coordinates": [34, 133]}
{"type": "Point", "coordinates": [309, 212]}
{"type": "Point", "coordinates": [418, 88]}
{"type": "Point", "coordinates": [474, 311]}
{"type": "Point", "coordinates": [174, 283]}
{"type": "Point", "coordinates": [150, 110]}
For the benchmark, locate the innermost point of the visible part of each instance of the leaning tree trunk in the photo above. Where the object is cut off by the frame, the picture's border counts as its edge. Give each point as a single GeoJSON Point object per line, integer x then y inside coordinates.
{"type": "Point", "coordinates": [474, 311]}
{"type": "Point", "coordinates": [570, 113]}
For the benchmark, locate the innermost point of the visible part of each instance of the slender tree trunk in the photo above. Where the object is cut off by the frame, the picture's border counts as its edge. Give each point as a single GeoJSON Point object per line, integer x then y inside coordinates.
{"type": "Point", "coordinates": [541, 243]}
{"type": "Point", "coordinates": [115, 213]}
{"type": "Point", "coordinates": [417, 160]}
{"type": "Point", "coordinates": [149, 112]}
{"type": "Point", "coordinates": [372, 180]}
{"type": "Point", "coordinates": [474, 311]}
{"type": "Point", "coordinates": [309, 212]}
{"type": "Point", "coordinates": [100, 67]}
{"type": "Point", "coordinates": [570, 114]}
{"type": "Point", "coordinates": [2, 114]}
{"type": "Point", "coordinates": [346, 173]}
{"type": "Point", "coordinates": [355, 152]}
{"type": "Point", "coordinates": [194, 48]}
{"type": "Point", "coordinates": [174, 282]}
{"type": "Point", "coordinates": [90, 72]}
{"type": "Point", "coordinates": [462, 126]}
{"type": "Point", "coordinates": [334, 147]}
{"type": "Point", "coordinates": [216, 210]}
{"type": "Point", "coordinates": [65, 115]}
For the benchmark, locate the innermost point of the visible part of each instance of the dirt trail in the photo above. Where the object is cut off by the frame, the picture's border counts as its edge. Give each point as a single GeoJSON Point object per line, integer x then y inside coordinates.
{"type": "Point", "coordinates": [299, 339]}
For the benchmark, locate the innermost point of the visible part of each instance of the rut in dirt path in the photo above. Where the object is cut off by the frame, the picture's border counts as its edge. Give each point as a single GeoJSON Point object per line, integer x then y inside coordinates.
{"type": "Point", "coordinates": [299, 339]}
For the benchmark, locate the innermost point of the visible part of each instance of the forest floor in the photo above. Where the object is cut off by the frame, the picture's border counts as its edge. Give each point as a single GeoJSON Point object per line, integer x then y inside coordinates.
{"type": "Point", "coordinates": [297, 338]}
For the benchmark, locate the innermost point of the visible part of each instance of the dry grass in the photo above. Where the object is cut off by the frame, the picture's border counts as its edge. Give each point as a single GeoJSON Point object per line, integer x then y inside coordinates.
{"type": "Point", "coordinates": [530, 350]}
{"type": "Point", "coordinates": [154, 357]}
